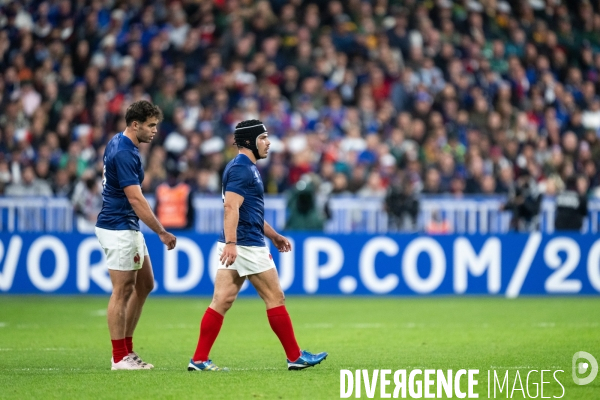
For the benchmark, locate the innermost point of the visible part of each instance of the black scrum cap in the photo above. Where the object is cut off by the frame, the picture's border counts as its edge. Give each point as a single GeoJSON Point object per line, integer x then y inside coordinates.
{"type": "Point", "coordinates": [246, 133]}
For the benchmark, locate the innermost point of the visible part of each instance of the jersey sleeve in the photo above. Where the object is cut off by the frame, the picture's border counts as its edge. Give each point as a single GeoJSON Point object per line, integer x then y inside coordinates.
{"type": "Point", "coordinates": [126, 164]}
{"type": "Point", "coordinates": [238, 179]}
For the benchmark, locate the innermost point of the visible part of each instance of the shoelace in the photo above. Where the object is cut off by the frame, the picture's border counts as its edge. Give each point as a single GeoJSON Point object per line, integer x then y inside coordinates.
{"type": "Point", "coordinates": [139, 361]}
{"type": "Point", "coordinates": [210, 366]}
{"type": "Point", "coordinates": [308, 354]}
{"type": "Point", "coordinates": [135, 360]}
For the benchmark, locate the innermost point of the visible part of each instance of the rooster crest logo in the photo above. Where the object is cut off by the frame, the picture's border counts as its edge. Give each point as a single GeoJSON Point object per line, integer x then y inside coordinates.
{"type": "Point", "coordinates": [136, 258]}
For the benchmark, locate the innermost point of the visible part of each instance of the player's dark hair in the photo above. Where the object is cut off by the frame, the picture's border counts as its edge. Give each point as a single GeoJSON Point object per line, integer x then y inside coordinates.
{"type": "Point", "coordinates": [140, 111]}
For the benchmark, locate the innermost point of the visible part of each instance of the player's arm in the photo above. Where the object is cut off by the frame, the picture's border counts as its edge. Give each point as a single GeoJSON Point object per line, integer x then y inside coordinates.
{"type": "Point", "coordinates": [127, 166]}
{"type": "Point", "coordinates": [270, 232]}
{"type": "Point", "coordinates": [144, 212]}
{"type": "Point", "coordinates": [278, 240]}
{"type": "Point", "coordinates": [231, 205]}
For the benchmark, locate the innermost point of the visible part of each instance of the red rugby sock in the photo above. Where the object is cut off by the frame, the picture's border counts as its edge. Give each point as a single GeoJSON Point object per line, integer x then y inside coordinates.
{"type": "Point", "coordinates": [129, 343]}
{"type": "Point", "coordinates": [119, 350]}
{"type": "Point", "coordinates": [280, 322]}
{"type": "Point", "coordinates": [209, 330]}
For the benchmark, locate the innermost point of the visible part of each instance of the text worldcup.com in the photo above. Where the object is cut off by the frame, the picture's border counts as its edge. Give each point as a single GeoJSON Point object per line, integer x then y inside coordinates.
{"type": "Point", "coordinates": [461, 384]}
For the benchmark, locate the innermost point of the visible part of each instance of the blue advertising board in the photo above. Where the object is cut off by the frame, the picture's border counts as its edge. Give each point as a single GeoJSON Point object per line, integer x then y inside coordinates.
{"type": "Point", "coordinates": [508, 265]}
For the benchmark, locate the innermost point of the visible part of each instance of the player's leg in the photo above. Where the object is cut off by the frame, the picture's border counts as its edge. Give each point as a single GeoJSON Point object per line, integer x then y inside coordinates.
{"type": "Point", "coordinates": [144, 284]}
{"type": "Point", "coordinates": [123, 283]}
{"type": "Point", "coordinates": [227, 286]}
{"type": "Point", "coordinates": [122, 249]}
{"type": "Point", "coordinates": [267, 285]}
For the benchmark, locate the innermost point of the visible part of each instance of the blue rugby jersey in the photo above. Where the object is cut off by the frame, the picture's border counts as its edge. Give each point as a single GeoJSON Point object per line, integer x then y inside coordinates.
{"type": "Point", "coordinates": [242, 177]}
{"type": "Point", "coordinates": [122, 168]}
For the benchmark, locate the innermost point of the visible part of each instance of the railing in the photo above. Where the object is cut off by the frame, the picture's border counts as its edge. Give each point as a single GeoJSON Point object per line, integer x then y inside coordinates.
{"type": "Point", "coordinates": [466, 215]}
{"type": "Point", "coordinates": [480, 214]}
{"type": "Point", "coordinates": [28, 214]}
{"type": "Point", "coordinates": [209, 213]}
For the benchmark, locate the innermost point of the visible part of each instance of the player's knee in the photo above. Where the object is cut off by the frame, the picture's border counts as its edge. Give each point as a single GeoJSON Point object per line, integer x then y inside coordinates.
{"type": "Point", "coordinates": [281, 300]}
{"type": "Point", "coordinates": [227, 303]}
{"type": "Point", "coordinates": [123, 292]}
{"type": "Point", "coordinates": [143, 288]}
{"type": "Point", "coordinates": [224, 302]}
{"type": "Point", "coordinates": [226, 306]}
{"type": "Point", "coordinates": [275, 300]}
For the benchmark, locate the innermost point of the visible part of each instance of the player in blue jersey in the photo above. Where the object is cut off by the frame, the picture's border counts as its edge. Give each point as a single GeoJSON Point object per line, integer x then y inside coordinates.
{"type": "Point", "coordinates": [118, 231]}
{"type": "Point", "coordinates": [243, 254]}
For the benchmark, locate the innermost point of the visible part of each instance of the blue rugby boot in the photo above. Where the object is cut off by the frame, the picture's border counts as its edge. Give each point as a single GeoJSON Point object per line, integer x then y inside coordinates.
{"type": "Point", "coordinates": [205, 366]}
{"type": "Point", "coordinates": [306, 360]}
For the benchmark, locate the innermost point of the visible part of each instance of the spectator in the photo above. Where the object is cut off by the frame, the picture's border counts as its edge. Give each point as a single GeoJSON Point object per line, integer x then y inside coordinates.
{"type": "Point", "coordinates": [5, 176]}
{"type": "Point", "coordinates": [495, 88]}
{"type": "Point", "coordinates": [373, 188]}
{"type": "Point", "coordinates": [402, 206]}
{"type": "Point", "coordinates": [174, 206]}
{"type": "Point", "coordinates": [207, 182]}
{"type": "Point", "coordinates": [438, 225]}
{"type": "Point", "coordinates": [30, 185]}
{"type": "Point", "coordinates": [571, 205]}
{"type": "Point", "coordinates": [432, 184]}
{"type": "Point", "coordinates": [525, 203]}
{"type": "Point", "coordinates": [87, 201]}
{"type": "Point", "coordinates": [488, 185]}
{"type": "Point", "coordinates": [62, 186]}
{"type": "Point", "coordinates": [302, 210]}
{"type": "Point", "coordinates": [340, 185]}
{"type": "Point", "coordinates": [339, 188]}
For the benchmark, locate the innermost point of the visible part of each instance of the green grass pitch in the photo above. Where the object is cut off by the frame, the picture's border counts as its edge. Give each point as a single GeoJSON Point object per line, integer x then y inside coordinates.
{"type": "Point", "coordinates": [58, 347]}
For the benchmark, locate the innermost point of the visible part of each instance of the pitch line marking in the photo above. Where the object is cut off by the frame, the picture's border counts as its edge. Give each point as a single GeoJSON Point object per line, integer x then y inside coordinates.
{"type": "Point", "coordinates": [255, 369]}
{"type": "Point", "coordinates": [35, 349]}
{"type": "Point", "coordinates": [47, 369]}
{"type": "Point", "coordinates": [317, 326]}
{"type": "Point", "coordinates": [545, 325]}
{"type": "Point", "coordinates": [178, 326]}
{"type": "Point", "coordinates": [366, 326]}
{"type": "Point", "coordinates": [28, 326]}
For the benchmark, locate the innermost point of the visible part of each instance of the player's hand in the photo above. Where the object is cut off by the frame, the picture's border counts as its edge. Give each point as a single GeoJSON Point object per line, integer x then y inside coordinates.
{"type": "Point", "coordinates": [282, 244]}
{"type": "Point", "coordinates": [168, 239]}
{"type": "Point", "coordinates": [228, 255]}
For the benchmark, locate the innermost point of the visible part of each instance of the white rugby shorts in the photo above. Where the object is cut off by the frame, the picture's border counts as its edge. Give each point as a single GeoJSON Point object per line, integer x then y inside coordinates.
{"type": "Point", "coordinates": [124, 249]}
{"type": "Point", "coordinates": [250, 259]}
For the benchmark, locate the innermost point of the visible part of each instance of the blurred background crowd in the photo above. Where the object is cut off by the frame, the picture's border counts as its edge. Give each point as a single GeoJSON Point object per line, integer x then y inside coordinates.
{"type": "Point", "coordinates": [380, 98]}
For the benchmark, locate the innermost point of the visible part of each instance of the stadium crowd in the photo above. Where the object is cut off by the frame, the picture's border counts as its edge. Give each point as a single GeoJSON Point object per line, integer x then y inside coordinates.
{"type": "Point", "coordinates": [432, 97]}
